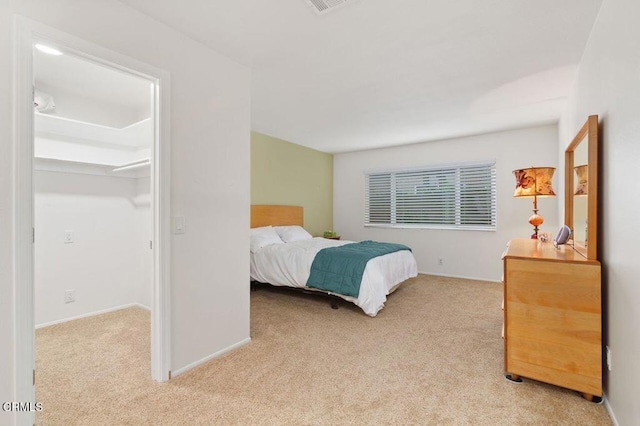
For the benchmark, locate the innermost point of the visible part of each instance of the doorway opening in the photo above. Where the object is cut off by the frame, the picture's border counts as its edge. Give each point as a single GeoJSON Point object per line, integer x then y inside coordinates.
{"type": "Point", "coordinates": [69, 149]}
{"type": "Point", "coordinates": [93, 253]}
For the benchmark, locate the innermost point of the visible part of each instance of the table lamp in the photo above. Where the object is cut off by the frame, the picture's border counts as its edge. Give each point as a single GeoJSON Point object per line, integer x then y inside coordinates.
{"type": "Point", "coordinates": [583, 173]}
{"type": "Point", "coordinates": [582, 189]}
{"type": "Point", "coordinates": [534, 182]}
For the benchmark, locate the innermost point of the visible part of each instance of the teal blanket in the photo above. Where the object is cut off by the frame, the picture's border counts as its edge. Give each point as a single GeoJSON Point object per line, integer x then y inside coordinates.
{"type": "Point", "coordinates": [340, 269]}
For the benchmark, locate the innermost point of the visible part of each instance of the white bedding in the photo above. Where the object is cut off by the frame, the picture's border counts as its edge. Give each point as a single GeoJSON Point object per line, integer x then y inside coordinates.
{"type": "Point", "coordinates": [290, 264]}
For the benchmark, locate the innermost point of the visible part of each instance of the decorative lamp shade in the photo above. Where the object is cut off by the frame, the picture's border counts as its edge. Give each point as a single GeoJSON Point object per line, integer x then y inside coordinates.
{"type": "Point", "coordinates": [534, 181]}
{"type": "Point", "coordinates": [582, 172]}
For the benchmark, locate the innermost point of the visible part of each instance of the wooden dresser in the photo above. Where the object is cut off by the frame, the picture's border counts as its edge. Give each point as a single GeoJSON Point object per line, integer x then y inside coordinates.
{"type": "Point", "coordinates": [552, 316]}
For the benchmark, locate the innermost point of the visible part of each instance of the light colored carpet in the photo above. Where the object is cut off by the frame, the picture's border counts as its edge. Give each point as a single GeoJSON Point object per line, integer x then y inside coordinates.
{"type": "Point", "coordinates": [433, 355]}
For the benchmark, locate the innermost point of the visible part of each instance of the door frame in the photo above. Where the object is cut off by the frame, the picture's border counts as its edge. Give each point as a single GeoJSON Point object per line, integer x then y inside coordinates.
{"type": "Point", "coordinates": [26, 33]}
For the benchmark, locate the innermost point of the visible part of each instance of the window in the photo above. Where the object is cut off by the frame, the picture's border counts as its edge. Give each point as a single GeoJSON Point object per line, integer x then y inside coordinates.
{"type": "Point", "coordinates": [453, 196]}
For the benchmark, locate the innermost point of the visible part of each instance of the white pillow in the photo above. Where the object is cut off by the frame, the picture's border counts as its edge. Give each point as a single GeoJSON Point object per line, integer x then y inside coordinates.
{"type": "Point", "coordinates": [264, 236]}
{"type": "Point", "coordinates": [292, 233]}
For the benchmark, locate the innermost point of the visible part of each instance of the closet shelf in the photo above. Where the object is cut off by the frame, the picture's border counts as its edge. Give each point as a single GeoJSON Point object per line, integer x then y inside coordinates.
{"type": "Point", "coordinates": [133, 165]}
{"type": "Point", "coordinates": [134, 170]}
{"type": "Point", "coordinates": [135, 136]}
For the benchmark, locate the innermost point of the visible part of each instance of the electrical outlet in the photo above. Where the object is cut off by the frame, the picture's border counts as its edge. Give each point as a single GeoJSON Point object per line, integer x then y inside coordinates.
{"type": "Point", "coordinates": [608, 358]}
{"type": "Point", "coordinates": [68, 237]}
{"type": "Point", "coordinates": [69, 296]}
{"type": "Point", "coordinates": [441, 261]}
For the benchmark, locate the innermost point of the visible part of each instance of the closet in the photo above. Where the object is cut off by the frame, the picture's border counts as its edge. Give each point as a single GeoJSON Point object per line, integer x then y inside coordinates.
{"type": "Point", "coordinates": [93, 221]}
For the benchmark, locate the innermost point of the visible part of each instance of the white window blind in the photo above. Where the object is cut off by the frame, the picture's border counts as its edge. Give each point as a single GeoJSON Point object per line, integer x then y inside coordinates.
{"type": "Point", "coordinates": [452, 196]}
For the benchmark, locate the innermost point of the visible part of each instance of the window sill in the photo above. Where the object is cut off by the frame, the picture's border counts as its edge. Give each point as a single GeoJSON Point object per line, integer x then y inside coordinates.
{"type": "Point", "coordinates": [442, 227]}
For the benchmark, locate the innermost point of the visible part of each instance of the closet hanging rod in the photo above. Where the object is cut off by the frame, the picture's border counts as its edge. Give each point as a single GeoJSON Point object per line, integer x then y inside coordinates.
{"type": "Point", "coordinates": [132, 165]}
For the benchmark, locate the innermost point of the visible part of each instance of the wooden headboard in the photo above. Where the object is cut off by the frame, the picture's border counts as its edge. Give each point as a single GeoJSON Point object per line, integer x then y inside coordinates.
{"type": "Point", "coordinates": [265, 215]}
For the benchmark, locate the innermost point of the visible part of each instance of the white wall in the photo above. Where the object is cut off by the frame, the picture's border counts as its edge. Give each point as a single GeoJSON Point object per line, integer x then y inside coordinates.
{"type": "Point", "coordinates": [608, 85]}
{"type": "Point", "coordinates": [473, 254]}
{"type": "Point", "coordinates": [210, 133]}
{"type": "Point", "coordinates": [104, 265]}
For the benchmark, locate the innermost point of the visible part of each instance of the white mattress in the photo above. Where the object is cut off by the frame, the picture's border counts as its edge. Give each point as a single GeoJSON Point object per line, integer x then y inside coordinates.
{"type": "Point", "coordinates": [289, 265]}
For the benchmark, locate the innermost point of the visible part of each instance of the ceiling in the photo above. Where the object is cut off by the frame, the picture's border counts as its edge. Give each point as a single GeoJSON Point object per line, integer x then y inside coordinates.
{"type": "Point", "coordinates": [378, 73]}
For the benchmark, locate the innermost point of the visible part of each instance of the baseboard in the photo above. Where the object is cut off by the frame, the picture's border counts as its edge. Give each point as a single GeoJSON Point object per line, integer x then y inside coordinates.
{"type": "Point", "coordinates": [610, 410]}
{"type": "Point", "coordinates": [459, 276]}
{"type": "Point", "coordinates": [91, 314]}
{"type": "Point", "coordinates": [140, 305]}
{"type": "Point", "coordinates": [193, 365]}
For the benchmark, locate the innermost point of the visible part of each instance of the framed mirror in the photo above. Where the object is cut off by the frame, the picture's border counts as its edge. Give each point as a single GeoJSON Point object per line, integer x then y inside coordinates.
{"type": "Point", "coordinates": [581, 189]}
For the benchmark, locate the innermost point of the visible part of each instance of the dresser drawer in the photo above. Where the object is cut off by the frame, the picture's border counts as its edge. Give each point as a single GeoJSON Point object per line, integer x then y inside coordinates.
{"type": "Point", "coordinates": [552, 321]}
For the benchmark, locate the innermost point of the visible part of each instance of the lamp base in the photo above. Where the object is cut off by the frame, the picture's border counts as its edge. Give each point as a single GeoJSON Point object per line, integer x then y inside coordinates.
{"type": "Point", "coordinates": [535, 220]}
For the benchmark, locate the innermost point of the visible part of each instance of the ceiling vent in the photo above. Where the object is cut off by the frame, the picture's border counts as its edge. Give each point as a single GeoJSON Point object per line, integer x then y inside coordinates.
{"type": "Point", "coordinates": [322, 7]}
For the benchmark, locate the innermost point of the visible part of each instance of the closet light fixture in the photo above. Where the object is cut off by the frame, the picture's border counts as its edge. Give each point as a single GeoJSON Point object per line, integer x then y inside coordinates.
{"type": "Point", "coordinates": [48, 50]}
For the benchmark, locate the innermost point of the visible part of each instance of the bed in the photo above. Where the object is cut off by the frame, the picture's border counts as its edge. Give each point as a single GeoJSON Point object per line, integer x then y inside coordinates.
{"type": "Point", "coordinates": [282, 254]}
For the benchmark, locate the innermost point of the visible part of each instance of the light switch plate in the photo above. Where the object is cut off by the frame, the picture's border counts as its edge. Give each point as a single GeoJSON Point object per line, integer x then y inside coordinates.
{"type": "Point", "coordinates": [179, 225]}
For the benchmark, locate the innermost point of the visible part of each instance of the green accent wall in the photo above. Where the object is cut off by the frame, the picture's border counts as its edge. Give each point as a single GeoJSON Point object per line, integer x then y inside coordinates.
{"type": "Point", "coordinates": [289, 174]}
